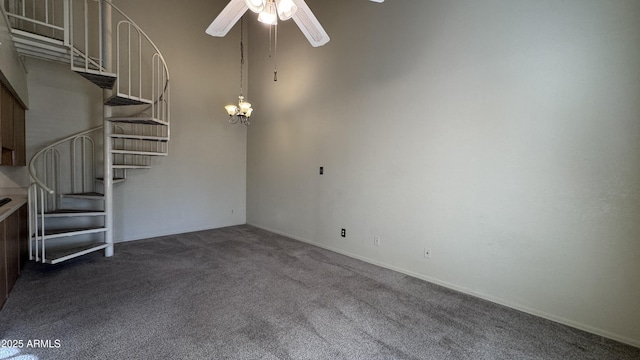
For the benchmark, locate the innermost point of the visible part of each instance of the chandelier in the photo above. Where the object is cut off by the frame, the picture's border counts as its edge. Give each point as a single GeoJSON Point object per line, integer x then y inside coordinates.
{"type": "Point", "coordinates": [242, 112]}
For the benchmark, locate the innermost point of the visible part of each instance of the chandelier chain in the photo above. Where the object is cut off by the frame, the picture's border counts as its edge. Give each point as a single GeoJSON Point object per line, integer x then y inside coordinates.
{"type": "Point", "coordinates": [241, 52]}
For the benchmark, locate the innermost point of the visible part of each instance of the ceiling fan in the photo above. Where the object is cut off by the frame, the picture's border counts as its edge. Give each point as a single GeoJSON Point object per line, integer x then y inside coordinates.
{"type": "Point", "coordinates": [269, 11]}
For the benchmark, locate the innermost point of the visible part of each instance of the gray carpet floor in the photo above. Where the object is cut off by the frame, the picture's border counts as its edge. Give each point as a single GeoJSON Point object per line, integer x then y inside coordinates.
{"type": "Point", "coordinates": [244, 293]}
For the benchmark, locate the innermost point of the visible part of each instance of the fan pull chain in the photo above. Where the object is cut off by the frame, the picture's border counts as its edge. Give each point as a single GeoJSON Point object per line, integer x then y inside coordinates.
{"type": "Point", "coordinates": [275, 55]}
{"type": "Point", "coordinates": [270, 39]}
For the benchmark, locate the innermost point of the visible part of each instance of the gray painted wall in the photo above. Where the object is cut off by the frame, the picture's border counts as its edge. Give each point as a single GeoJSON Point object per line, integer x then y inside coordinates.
{"type": "Point", "coordinates": [502, 135]}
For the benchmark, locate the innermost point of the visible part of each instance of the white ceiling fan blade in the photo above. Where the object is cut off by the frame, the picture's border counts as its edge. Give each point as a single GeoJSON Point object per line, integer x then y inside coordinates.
{"type": "Point", "coordinates": [309, 25]}
{"type": "Point", "coordinates": [378, 1]}
{"type": "Point", "coordinates": [227, 18]}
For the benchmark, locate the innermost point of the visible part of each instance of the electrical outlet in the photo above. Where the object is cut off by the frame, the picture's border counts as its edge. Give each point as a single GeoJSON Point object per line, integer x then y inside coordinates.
{"type": "Point", "coordinates": [343, 233]}
{"type": "Point", "coordinates": [427, 253]}
{"type": "Point", "coordinates": [321, 170]}
{"type": "Point", "coordinates": [376, 240]}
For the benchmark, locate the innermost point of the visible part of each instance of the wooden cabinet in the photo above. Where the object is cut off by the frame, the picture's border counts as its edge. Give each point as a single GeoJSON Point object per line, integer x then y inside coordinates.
{"type": "Point", "coordinates": [24, 235]}
{"type": "Point", "coordinates": [12, 248]}
{"type": "Point", "coordinates": [19, 135]}
{"type": "Point", "coordinates": [13, 251]}
{"type": "Point", "coordinates": [4, 285]}
{"type": "Point", "coordinates": [12, 130]}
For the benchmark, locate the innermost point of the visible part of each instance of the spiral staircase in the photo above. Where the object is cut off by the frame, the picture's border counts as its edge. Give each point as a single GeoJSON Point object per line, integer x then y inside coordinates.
{"type": "Point", "coordinates": [71, 194]}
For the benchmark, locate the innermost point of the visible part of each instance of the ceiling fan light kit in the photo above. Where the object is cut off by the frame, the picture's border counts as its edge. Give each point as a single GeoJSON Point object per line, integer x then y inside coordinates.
{"type": "Point", "coordinates": [270, 10]}
{"type": "Point", "coordinates": [286, 9]}
{"type": "Point", "coordinates": [297, 10]}
{"type": "Point", "coordinates": [269, 15]}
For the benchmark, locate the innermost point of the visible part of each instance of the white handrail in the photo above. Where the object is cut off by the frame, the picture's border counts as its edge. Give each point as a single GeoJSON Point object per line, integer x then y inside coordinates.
{"type": "Point", "coordinates": [39, 191]}
{"type": "Point", "coordinates": [51, 168]}
{"type": "Point", "coordinates": [139, 29]}
{"type": "Point", "coordinates": [80, 142]}
{"type": "Point", "coordinates": [160, 91]}
{"type": "Point", "coordinates": [17, 9]}
{"type": "Point", "coordinates": [32, 167]}
{"type": "Point", "coordinates": [58, 16]}
{"type": "Point", "coordinates": [36, 22]}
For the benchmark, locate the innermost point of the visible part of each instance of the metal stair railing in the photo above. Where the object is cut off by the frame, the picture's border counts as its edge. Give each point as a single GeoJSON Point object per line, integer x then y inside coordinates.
{"type": "Point", "coordinates": [48, 18]}
{"type": "Point", "coordinates": [141, 73]}
{"type": "Point", "coordinates": [41, 159]}
{"type": "Point", "coordinates": [74, 154]}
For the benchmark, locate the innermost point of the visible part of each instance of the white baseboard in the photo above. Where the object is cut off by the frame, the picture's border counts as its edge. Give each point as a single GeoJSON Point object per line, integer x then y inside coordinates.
{"type": "Point", "coordinates": [175, 232]}
{"type": "Point", "coordinates": [503, 302]}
